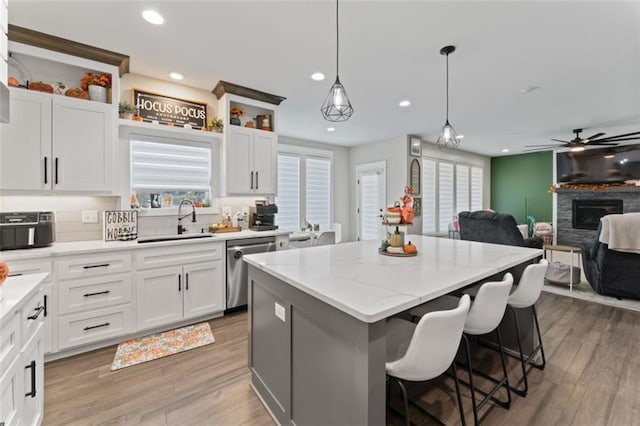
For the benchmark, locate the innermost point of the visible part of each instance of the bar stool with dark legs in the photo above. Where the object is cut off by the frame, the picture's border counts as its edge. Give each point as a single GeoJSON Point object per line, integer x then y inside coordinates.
{"type": "Point", "coordinates": [484, 317]}
{"type": "Point", "coordinates": [424, 351]}
{"type": "Point", "coordinates": [525, 296]}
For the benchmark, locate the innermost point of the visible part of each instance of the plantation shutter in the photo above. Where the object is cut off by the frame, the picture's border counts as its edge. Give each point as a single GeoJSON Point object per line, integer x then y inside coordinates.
{"type": "Point", "coordinates": [462, 188]}
{"type": "Point", "coordinates": [476, 188]}
{"type": "Point", "coordinates": [318, 191]}
{"type": "Point", "coordinates": [429, 205]}
{"type": "Point", "coordinates": [288, 199]}
{"type": "Point", "coordinates": [446, 197]}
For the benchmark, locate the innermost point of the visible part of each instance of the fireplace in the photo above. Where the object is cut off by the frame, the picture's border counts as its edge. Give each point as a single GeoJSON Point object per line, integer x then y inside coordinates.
{"type": "Point", "coordinates": [586, 214]}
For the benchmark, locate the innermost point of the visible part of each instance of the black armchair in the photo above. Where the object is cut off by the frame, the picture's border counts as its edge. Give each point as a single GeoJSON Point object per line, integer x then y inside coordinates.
{"type": "Point", "coordinates": [611, 272]}
{"type": "Point", "coordinates": [491, 227]}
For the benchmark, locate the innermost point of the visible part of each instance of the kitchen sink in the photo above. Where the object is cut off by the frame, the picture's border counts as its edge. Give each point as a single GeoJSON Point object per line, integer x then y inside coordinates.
{"type": "Point", "coordinates": [173, 237]}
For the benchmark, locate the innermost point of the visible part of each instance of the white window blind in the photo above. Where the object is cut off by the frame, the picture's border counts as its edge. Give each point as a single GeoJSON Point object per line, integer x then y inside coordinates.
{"type": "Point", "coordinates": [462, 188]}
{"type": "Point", "coordinates": [370, 202]}
{"type": "Point", "coordinates": [167, 167]}
{"type": "Point", "coordinates": [476, 188]}
{"type": "Point", "coordinates": [429, 191]}
{"type": "Point", "coordinates": [288, 199]}
{"type": "Point", "coordinates": [446, 200]}
{"type": "Point", "coordinates": [318, 191]}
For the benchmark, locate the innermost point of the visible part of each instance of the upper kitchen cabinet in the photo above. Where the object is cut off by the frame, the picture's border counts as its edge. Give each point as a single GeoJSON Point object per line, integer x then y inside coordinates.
{"type": "Point", "coordinates": [250, 140]}
{"type": "Point", "coordinates": [56, 143]}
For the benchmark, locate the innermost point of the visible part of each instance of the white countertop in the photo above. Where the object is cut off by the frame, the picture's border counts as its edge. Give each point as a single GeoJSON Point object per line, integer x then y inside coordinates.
{"type": "Point", "coordinates": [78, 247]}
{"type": "Point", "coordinates": [354, 278]}
{"type": "Point", "coordinates": [17, 291]}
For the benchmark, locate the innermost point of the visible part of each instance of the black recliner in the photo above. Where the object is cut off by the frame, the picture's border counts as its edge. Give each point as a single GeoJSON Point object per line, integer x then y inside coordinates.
{"type": "Point", "coordinates": [611, 272]}
{"type": "Point", "coordinates": [492, 227]}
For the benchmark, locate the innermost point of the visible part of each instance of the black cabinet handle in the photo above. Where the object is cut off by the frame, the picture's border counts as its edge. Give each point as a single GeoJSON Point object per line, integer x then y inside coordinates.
{"type": "Point", "coordinates": [97, 293]}
{"type": "Point", "coordinates": [179, 282]}
{"type": "Point", "coordinates": [251, 180]}
{"type": "Point", "coordinates": [102, 265]}
{"type": "Point", "coordinates": [32, 366]}
{"type": "Point", "coordinates": [45, 169]}
{"type": "Point", "coordinates": [187, 282]}
{"type": "Point", "coordinates": [46, 299]}
{"type": "Point", "coordinates": [15, 275]}
{"type": "Point", "coordinates": [56, 171]}
{"type": "Point", "coordinates": [256, 180]}
{"type": "Point", "coordinates": [106, 324]}
{"type": "Point", "coordinates": [38, 311]}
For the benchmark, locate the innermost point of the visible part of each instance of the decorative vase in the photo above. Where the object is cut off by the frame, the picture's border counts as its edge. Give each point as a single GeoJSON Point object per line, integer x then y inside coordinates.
{"type": "Point", "coordinates": [235, 120]}
{"type": "Point", "coordinates": [127, 115]}
{"type": "Point", "coordinates": [97, 93]}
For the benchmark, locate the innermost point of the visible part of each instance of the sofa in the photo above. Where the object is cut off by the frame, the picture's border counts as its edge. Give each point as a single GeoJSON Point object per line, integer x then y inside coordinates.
{"type": "Point", "coordinates": [611, 272]}
{"type": "Point", "coordinates": [492, 227]}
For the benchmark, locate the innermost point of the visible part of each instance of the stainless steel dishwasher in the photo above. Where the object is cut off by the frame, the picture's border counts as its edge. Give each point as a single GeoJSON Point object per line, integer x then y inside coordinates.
{"type": "Point", "coordinates": [237, 276]}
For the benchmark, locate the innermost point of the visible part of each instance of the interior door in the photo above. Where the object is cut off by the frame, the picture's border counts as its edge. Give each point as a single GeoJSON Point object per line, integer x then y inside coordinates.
{"type": "Point", "coordinates": [371, 199]}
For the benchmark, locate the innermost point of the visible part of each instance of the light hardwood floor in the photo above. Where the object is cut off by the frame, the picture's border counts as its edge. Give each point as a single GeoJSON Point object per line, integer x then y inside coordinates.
{"type": "Point", "coordinates": [592, 378]}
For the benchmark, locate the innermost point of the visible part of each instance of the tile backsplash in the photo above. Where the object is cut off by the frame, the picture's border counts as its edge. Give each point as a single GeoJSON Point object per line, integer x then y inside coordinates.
{"type": "Point", "coordinates": [68, 215]}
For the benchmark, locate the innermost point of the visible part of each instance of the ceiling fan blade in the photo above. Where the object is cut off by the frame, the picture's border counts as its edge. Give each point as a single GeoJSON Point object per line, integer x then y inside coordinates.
{"type": "Point", "coordinates": [602, 143]}
{"type": "Point", "coordinates": [618, 136]}
{"type": "Point", "coordinates": [560, 140]}
{"type": "Point", "coordinates": [616, 140]}
{"type": "Point", "coordinates": [539, 149]}
{"type": "Point", "coordinates": [551, 146]}
{"type": "Point", "coordinates": [596, 136]}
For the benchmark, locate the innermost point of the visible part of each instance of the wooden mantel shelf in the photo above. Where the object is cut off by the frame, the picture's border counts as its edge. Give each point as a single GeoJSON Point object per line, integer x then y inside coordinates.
{"type": "Point", "coordinates": [611, 188]}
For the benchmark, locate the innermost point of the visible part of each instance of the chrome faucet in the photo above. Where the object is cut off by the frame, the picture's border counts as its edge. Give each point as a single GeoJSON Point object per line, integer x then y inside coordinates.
{"type": "Point", "coordinates": [181, 228]}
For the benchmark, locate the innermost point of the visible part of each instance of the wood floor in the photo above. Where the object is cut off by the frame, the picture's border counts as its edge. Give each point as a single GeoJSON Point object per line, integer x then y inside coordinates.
{"type": "Point", "coordinates": [592, 378]}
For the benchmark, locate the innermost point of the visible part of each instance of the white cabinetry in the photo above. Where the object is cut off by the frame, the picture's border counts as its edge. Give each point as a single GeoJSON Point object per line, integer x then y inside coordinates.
{"type": "Point", "coordinates": [249, 155]}
{"type": "Point", "coordinates": [56, 143]}
{"type": "Point", "coordinates": [95, 297]}
{"type": "Point", "coordinates": [189, 285]}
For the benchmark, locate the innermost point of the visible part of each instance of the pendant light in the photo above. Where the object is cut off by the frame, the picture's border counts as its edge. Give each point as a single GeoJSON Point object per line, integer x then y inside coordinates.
{"type": "Point", "coordinates": [448, 137]}
{"type": "Point", "coordinates": [336, 107]}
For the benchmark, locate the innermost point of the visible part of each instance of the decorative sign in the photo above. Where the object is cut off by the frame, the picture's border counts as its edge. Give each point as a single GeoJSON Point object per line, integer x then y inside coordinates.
{"type": "Point", "coordinates": [120, 225]}
{"type": "Point", "coordinates": [166, 110]}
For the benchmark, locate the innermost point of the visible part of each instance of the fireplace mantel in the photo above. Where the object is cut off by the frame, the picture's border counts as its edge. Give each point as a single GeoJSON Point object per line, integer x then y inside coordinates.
{"type": "Point", "coordinates": [603, 190]}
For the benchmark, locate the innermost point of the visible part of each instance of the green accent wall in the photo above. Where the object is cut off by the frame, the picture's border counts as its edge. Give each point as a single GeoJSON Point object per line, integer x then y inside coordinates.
{"type": "Point", "coordinates": [516, 178]}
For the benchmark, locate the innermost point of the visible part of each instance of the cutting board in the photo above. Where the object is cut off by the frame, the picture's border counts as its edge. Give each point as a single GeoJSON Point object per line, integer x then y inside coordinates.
{"type": "Point", "coordinates": [223, 230]}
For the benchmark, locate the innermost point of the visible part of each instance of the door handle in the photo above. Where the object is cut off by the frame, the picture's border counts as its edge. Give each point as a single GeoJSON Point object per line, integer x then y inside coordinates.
{"type": "Point", "coordinates": [102, 265]}
{"type": "Point", "coordinates": [38, 311]}
{"type": "Point", "coordinates": [96, 293]}
{"type": "Point", "coordinates": [251, 180]}
{"type": "Point", "coordinates": [256, 180]}
{"type": "Point", "coordinates": [46, 298]}
{"type": "Point", "coordinates": [56, 171]}
{"type": "Point", "coordinates": [106, 324]}
{"type": "Point", "coordinates": [32, 367]}
{"type": "Point", "coordinates": [179, 282]}
{"type": "Point", "coordinates": [186, 284]}
{"type": "Point", "coordinates": [45, 170]}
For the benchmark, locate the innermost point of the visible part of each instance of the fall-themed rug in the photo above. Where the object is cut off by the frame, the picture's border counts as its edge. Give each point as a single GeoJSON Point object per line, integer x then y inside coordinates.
{"type": "Point", "coordinates": [159, 345]}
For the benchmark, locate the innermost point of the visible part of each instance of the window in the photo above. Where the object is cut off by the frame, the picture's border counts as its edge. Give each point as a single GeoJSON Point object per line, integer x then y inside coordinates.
{"type": "Point", "coordinates": [174, 171]}
{"type": "Point", "coordinates": [448, 188]}
{"type": "Point", "coordinates": [310, 170]}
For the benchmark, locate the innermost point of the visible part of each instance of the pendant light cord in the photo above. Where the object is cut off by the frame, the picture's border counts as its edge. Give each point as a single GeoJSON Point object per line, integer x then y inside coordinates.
{"type": "Point", "coordinates": [337, 40]}
{"type": "Point", "coordinates": [447, 87]}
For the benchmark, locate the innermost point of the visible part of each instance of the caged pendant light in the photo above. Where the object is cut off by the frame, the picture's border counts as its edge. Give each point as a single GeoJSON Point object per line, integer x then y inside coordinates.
{"type": "Point", "coordinates": [336, 106]}
{"type": "Point", "coordinates": [448, 137]}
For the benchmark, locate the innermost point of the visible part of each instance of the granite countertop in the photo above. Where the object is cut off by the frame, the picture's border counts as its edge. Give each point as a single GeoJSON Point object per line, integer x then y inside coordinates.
{"type": "Point", "coordinates": [79, 247]}
{"type": "Point", "coordinates": [355, 279]}
{"type": "Point", "coordinates": [17, 291]}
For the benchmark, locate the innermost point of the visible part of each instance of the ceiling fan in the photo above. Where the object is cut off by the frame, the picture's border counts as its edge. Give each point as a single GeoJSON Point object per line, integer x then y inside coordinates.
{"type": "Point", "coordinates": [579, 144]}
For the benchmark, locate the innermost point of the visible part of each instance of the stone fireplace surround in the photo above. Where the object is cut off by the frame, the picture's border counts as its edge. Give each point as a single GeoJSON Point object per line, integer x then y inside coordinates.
{"type": "Point", "coordinates": [565, 233]}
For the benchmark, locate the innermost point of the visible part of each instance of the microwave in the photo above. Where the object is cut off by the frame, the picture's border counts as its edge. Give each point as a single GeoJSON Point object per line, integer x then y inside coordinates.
{"type": "Point", "coordinates": [22, 230]}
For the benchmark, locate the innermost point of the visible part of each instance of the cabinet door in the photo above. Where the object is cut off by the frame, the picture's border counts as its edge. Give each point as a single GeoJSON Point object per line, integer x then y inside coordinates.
{"type": "Point", "coordinates": [33, 381]}
{"type": "Point", "coordinates": [82, 145]}
{"type": "Point", "coordinates": [11, 393]}
{"type": "Point", "coordinates": [239, 163]}
{"type": "Point", "coordinates": [265, 147]}
{"type": "Point", "coordinates": [49, 318]}
{"type": "Point", "coordinates": [204, 289]}
{"type": "Point", "coordinates": [159, 294]}
{"type": "Point", "coordinates": [26, 143]}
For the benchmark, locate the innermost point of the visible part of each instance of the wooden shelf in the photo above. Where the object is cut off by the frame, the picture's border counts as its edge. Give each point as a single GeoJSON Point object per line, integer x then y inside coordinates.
{"type": "Point", "coordinates": [129, 127]}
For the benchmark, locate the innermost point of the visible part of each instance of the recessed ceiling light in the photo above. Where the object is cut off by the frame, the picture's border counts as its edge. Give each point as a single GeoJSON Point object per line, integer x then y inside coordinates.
{"type": "Point", "coordinates": [153, 17]}
{"type": "Point", "coordinates": [317, 76]}
{"type": "Point", "coordinates": [404, 103]}
{"type": "Point", "coordinates": [529, 89]}
{"type": "Point", "coordinates": [331, 129]}
{"type": "Point", "coordinates": [505, 150]}
{"type": "Point", "coordinates": [176, 76]}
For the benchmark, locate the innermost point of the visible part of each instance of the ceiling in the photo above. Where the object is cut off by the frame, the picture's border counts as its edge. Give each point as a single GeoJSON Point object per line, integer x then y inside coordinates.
{"type": "Point", "coordinates": [584, 56]}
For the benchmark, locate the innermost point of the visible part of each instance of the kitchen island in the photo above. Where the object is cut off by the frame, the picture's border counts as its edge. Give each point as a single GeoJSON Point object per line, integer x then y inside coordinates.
{"type": "Point", "coordinates": [317, 319]}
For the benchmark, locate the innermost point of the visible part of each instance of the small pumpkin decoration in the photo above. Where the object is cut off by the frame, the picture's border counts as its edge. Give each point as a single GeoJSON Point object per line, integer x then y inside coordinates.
{"type": "Point", "coordinates": [4, 271]}
{"type": "Point", "coordinates": [410, 248]}
{"type": "Point", "coordinates": [396, 239]}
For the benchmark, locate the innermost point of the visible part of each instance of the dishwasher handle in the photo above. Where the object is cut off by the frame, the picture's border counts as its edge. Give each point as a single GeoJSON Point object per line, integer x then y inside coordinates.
{"type": "Point", "coordinates": [252, 249]}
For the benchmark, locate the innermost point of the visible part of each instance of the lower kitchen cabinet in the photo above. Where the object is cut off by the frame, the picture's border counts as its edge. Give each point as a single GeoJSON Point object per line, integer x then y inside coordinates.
{"type": "Point", "coordinates": [33, 381]}
{"type": "Point", "coordinates": [11, 393]}
{"type": "Point", "coordinates": [174, 293]}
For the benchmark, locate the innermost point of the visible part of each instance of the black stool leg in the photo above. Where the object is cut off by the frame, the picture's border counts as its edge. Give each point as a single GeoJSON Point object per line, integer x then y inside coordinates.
{"type": "Point", "coordinates": [544, 360]}
{"type": "Point", "coordinates": [506, 404]}
{"type": "Point", "coordinates": [521, 392]}
{"type": "Point", "coordinates": [470, 372]}
{"type": "Point", "coordinates": [458, 394]}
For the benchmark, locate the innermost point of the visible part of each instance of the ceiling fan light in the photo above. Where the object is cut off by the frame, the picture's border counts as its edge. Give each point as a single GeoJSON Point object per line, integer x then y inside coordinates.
{"type": "Point", "coordinates": [336, 106]}
{"type": "Point", "coordinates": [577, 149]}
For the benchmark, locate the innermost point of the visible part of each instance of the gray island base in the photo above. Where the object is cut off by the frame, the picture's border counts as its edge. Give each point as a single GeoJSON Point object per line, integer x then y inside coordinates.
{"type": "Point", "coordinates": [317, 320]}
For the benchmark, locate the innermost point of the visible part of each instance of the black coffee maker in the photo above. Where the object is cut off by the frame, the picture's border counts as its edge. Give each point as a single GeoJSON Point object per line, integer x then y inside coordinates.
{"type": "Point", "coordinates": [262, 217]}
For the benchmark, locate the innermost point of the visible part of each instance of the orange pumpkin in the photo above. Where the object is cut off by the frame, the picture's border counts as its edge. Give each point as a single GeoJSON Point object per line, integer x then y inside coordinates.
{"type": "Point", "coordinates": [409, 248]}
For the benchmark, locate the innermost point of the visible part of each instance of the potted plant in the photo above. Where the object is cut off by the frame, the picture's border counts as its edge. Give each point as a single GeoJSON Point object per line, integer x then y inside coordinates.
{"type": "Point", "coordinates": [96, 85]}
{"type": "Point", "coordinates": [215, 124]}
{"type": "Point", "coordinates": [126, 110]}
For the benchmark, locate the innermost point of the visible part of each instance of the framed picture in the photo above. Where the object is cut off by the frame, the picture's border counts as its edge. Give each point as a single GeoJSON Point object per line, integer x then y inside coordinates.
{"type": "Point", "coordinates": [415, 146]}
